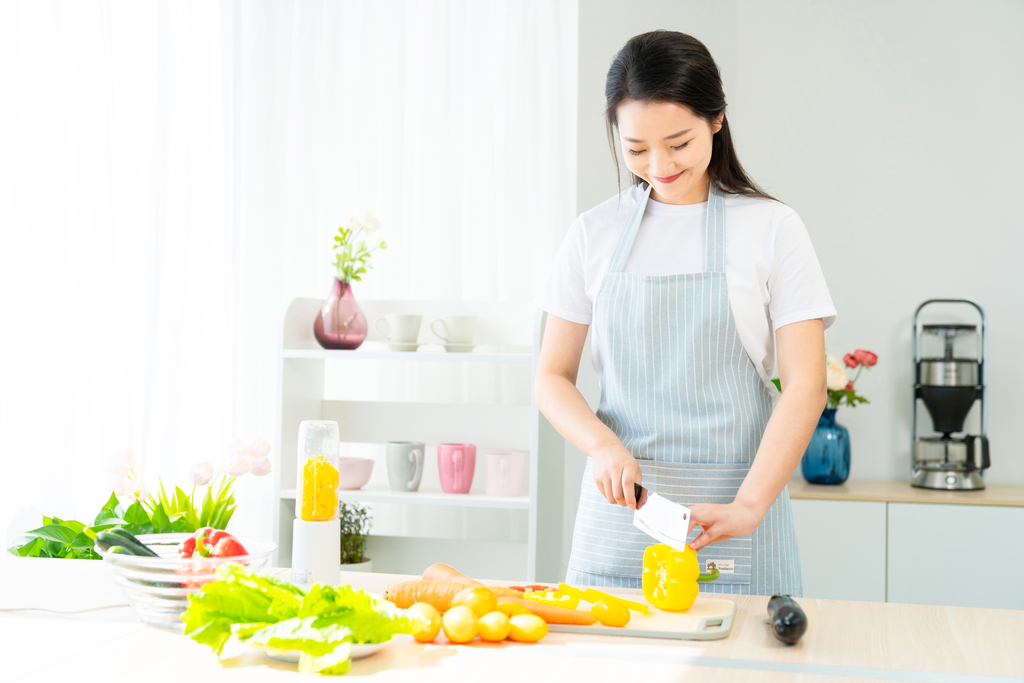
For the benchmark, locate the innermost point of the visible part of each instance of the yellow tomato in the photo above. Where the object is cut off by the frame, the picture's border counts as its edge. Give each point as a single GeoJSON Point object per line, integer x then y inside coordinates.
{"type": "Point", "coordinates": [493, 627]}
{"type": "Point", "coordinates": [427, 613]}
{"type": "Point", "coordinates": [478, 598]}
{"type": "Point", "coordinates": [610, 614]}
{"type": "Point", "coordinates": [510, 609]}
{"type": "Point", "coordinates": [527, 628]}
{"type": "Point", "coordinates": [459, 624]}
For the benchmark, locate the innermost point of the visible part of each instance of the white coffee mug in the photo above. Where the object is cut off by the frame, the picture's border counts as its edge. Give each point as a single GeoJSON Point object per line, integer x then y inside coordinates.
{"type": "Point", "coordinates": [403, 329]}
{"type": "Point", "coordinates": [455, 329]}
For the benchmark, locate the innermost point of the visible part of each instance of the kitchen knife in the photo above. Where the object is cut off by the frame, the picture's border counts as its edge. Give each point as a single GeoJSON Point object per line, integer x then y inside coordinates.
{"type": "Point", "coordinates": [660, 518]}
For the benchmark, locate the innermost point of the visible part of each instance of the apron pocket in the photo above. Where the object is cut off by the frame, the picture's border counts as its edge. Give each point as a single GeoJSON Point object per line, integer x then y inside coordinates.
{"type": "Point", "coordinates": [732, 558]}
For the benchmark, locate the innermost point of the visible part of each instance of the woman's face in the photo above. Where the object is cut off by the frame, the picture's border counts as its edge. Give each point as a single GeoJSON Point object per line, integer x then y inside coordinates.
{"type": "Point", "coordinates": [668, 146]}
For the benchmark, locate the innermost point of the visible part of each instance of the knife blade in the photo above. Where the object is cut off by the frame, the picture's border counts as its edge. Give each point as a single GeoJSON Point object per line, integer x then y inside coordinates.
{"type": "Point", "coordinates": [661, 519]}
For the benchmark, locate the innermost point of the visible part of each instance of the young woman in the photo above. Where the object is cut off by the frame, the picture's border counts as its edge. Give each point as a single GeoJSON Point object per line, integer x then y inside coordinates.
{"type": "Point", "coordinates": [684, 277]}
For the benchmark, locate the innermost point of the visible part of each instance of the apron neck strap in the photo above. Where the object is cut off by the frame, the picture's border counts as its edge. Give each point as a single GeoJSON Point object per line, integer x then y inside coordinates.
{"type": "Point", "coordinates": [629, 234]}
{"type": "Point", "coordinates": [714, 232]}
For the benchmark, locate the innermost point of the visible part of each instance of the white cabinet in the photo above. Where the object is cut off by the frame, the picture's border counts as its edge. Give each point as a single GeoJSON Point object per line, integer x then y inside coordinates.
{"type": "Point", "coordinates": [842, 548]}
{"type": "Point", "coordinates": [959, 555]}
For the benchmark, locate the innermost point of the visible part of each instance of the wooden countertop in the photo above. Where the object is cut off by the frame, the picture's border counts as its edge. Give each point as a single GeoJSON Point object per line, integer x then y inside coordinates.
{"type": "Point", "coordinates": [903, 492]}
{"type": "Point", "coordinates": [846, 641]}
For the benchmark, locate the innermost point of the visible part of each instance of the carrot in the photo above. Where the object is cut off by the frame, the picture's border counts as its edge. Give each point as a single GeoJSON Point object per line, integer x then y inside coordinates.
{"type": "Point", "coordinates": [442, 572]}
{"type": "Point", "coordinates": [552, 614]}
{"type": "Point", "coordinates": [437, 593]}
{"type": "Point", "coordinates": [505, 592]}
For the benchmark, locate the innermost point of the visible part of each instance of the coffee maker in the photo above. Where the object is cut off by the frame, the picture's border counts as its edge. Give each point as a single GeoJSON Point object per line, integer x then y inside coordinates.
{"type": "Point", "coordinates": [949, 376]}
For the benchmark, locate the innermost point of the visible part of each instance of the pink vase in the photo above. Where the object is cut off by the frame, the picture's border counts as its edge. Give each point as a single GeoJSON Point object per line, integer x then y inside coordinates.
{"type": "Point", "coordinates": [340, 324]}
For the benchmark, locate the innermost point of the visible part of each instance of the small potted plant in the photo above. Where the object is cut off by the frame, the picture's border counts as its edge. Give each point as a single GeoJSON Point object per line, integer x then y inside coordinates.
{"type": "Point", "coordinates": [340, 324]}
{"type": "Point", "coordinates": [827, 458]}
{"type": "Point", "coordinates": [355, 526]}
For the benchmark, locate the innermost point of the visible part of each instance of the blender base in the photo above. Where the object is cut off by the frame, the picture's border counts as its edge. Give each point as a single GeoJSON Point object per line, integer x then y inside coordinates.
{"type": "Point", "coordinates": [947, 480]}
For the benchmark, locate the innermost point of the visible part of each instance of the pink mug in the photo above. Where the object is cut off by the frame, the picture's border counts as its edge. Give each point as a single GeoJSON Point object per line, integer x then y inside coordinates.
{"type": "Point", "coordinates": [455, 464]}
{"type": "Point", "coordinates": [504, 473]}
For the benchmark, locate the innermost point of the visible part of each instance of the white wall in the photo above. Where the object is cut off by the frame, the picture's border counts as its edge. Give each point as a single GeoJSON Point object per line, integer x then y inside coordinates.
{"type": "Point", "coordinates": [893, 128]}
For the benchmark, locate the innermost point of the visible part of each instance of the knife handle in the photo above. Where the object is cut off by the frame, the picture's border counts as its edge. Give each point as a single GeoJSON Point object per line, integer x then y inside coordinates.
{"type": "Point", "coordinates": [638, 491]}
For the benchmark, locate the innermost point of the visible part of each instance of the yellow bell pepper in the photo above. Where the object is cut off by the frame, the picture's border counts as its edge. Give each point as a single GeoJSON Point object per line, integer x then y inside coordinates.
{"type": "Point", "coordinates": [592, 596]}
{"type": "Point", "coordinates": [670, 577]}
{"type": "Point", "coordinates": [556, 598]}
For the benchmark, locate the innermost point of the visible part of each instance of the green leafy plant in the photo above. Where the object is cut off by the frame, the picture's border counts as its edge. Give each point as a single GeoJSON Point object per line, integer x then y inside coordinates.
{"type": "Point", "coordinates": [352, 259]}
{"type": "Point", "coordinates": [355, 525]}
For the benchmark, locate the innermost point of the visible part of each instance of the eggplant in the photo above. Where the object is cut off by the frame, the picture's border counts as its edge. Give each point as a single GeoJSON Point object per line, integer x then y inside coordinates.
{"type": "Point", "coordinates": [786, 619]}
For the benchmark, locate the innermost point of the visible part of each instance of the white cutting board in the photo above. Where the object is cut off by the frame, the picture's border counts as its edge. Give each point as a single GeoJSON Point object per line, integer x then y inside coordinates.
{"type": "Point", "coordinates": [707, 619]}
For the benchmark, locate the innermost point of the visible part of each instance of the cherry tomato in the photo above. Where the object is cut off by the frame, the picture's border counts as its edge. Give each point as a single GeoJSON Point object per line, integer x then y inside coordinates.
{"type": "Point", "coordinates": [429, 614]}
{"type": "Point", "coordinates": [610, 614]}
{"type": "Point", "coordinates": [527, 628]}
{"type": "Point", "coordinates": [493, 627]}
{"type": "Point", "coordinates": [459, 624]}
{"type": "Point", "coordinates": [510, 609]}
{"type": "Point", "coordinates": [478, 598]}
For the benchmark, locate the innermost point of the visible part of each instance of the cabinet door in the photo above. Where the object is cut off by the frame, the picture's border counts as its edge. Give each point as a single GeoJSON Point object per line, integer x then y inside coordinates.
{"type": "Point", "coordinates": [958, 555]}
{"type": "Point", "coordinates": [842, 548]}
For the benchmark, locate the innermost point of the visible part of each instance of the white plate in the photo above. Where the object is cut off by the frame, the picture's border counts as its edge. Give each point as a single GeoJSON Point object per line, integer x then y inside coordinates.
{"type": "Point", "coordinates": [403, 346]}
{"type": "Point", "coordinates": [458, 348]}
{"type": "Point", "coordinates": [358, 652]}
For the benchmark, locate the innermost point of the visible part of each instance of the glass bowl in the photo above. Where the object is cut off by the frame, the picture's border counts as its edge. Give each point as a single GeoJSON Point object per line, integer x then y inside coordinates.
{"type": "Point", "coordinates": [158, 587]}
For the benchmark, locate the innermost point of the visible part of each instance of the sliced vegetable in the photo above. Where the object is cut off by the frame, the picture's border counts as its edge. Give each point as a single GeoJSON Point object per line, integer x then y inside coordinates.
{"type": "Point", "coordinates": [527, 628]}
{"type": "Point", "coordinates": [535, 587]}
{"type": "Point", "coordinates": [551, 614]}
{"type": "Point", "coordinates": [610, 614]}
{"type": "Point", "coordinates": [442, 572]}
{"type": "Point", "coordinates": [556, 598]}
{"type": "Point", "coordinates": [593, 596]}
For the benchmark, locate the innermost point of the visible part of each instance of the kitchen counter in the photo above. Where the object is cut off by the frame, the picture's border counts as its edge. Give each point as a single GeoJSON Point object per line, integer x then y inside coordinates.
{"type": "Point", "coordinates": [999, 495]}
{"type": "Point", "coordinates": [847, 641]}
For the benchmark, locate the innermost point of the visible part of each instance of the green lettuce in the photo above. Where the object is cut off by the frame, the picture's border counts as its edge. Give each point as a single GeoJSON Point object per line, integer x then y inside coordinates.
{"type": "Point", "coordinates": [275, 615]}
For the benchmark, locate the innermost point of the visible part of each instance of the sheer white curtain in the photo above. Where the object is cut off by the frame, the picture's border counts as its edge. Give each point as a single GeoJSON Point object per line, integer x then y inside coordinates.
{"type": "Point", "coordinates": [171, 174]}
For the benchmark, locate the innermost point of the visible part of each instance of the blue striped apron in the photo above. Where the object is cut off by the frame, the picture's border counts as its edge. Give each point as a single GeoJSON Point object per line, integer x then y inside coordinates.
{"type": "Point", "coordinates": [680, 392]}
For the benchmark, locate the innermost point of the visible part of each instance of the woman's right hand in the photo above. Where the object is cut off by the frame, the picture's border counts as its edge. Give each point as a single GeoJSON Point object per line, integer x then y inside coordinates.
{"type": "Point", "coordinates": [615, 472]}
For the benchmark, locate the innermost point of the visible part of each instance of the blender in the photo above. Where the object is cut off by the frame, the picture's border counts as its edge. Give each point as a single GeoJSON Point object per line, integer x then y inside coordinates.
{"type": "Point", "coordinates": [949, 376]}
{"type": "Point", "coordinates": [316, 534]}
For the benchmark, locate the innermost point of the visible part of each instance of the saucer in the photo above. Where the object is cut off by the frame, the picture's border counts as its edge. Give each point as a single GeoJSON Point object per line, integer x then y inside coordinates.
{"type": "Point", "coordinates": [403, 346]}
{"type": "Point", "coordinates": [458, 348]}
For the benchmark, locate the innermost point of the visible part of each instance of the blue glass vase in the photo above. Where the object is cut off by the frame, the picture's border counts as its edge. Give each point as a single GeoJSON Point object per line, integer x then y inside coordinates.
{"type": "Point", "coordinates": [827, 458]}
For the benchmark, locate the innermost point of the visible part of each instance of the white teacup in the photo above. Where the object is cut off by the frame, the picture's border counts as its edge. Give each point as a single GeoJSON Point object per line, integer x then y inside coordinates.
{"type": "Point", "coordinates": [455, 329]}
{"type": "Point", "coordinates": [402, 329]}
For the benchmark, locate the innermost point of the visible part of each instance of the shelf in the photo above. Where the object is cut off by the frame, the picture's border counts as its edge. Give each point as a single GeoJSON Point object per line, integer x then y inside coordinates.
{"type": "Point", "coordinates": [328, 354]}
{"type": "Point", "coordinates": [468, 500]}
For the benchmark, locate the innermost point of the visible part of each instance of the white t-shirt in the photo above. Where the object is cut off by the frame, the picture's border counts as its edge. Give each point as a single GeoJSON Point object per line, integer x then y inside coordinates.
{"type": "Point", "coordinates": [772, 271]}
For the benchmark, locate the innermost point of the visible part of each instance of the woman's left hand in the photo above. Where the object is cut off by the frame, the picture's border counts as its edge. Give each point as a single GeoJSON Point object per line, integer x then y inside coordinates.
{"type": "Point", "coordinates": [721, 522]}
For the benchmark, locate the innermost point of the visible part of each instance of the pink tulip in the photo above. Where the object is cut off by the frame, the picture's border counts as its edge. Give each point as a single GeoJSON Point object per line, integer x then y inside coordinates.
{"type": "Point", "coordinates": [238, 447]}
{"type": "Point", "coordinates": [259, 449]}
{"type": "Point", "coordinates": [865, 357]}
{"type": "Point", "coordinates": [122, 486]}
{"type": "Point", "coordinates": [201, 474]}
{"type": "Point", "coordinates": [850, 361]}
{"type": "Point", "coordinates": [849, 386]}
{"type": "Point", "coordinates": [237, 465]}
{"type": "Point", "coordinates": [137, 490]}
{"type": "Point", "coordinates": [122, 463]}
{"type": "Point", "coordinates": [259, 466]}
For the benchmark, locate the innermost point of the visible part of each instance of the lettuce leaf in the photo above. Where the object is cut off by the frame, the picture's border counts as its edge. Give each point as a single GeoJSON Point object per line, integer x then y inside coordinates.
{"type": "Point", "coordinates": [370, 619]}
{"type": "Point", "coordinates": [312, 635]}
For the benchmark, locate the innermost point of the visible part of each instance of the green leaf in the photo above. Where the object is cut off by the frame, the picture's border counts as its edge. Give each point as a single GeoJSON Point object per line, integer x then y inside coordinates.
{"type": "Point", "coordinates": [778, 383]}
{"type": "Point", "coordinates": [161, 523]}
{"type": "Point", "coordinates": [73, 525]}
{"type": "Point", "coordinates": [204, 515]}
{"type": "Point", "coordinates": [311, 635]}
{"type": "Point", "coordinates": [54, 532]}
{"type": "Point", "coordinates": [136, 515]}
{"type": "Point", "coordinates": [81, 542]}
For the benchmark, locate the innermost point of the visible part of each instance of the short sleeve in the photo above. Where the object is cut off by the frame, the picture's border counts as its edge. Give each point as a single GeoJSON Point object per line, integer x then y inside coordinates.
{"type": "Point", "coordinates": [796, 285]}
{"type": "Point", "coordinates": [564, 289]}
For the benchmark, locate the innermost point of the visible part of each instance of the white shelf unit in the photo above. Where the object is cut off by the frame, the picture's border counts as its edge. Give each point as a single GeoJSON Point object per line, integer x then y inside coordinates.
{"type": "Point", "coordinates": [496, 414]}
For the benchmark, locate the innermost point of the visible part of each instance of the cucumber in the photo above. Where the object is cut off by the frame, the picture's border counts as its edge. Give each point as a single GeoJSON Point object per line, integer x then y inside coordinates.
{"type": "Point", "coordinates": [118, 550]}
{"type": "Point", "coordinates": [120, 537]}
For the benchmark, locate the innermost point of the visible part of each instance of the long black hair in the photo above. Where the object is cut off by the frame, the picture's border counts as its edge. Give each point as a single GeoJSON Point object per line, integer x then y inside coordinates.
{"type": "Point", "coordinates": [668, 66]}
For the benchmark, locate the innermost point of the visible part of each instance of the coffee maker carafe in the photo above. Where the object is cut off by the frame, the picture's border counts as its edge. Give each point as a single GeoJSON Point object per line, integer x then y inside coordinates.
{"type": "Point", "coordinates": [949, 376]}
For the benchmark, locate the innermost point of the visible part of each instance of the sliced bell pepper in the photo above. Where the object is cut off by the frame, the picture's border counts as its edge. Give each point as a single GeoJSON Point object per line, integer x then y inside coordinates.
{"type": "Point", "coordinates": [670, 577]}
{"type": "Point", "coordinates": [555, 598]}
{"type": "Point", "coordinates": [592, 596]}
